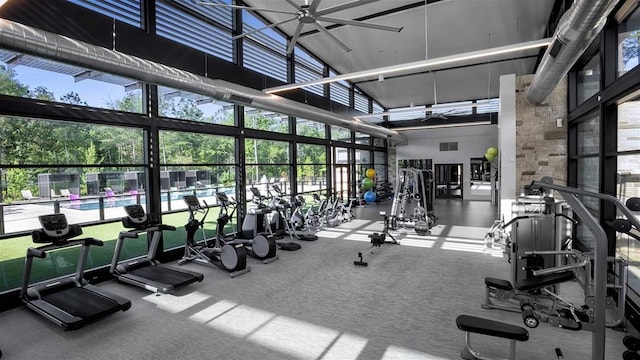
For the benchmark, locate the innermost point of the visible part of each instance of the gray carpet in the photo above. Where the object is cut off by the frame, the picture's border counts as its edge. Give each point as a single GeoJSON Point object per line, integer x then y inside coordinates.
{"type": "Point", "coordinates": [315, 304]}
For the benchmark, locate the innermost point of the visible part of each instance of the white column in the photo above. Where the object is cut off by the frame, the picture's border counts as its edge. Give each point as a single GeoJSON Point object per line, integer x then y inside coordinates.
{"type": "Point", "coordinates": [507, 144]}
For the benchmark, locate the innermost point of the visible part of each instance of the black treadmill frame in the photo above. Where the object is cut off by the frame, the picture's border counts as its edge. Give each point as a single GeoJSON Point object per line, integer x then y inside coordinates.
{"type": "Point", "coordinates": [31, 295]}
{"type": "Point", "coordinates": [125, 271]}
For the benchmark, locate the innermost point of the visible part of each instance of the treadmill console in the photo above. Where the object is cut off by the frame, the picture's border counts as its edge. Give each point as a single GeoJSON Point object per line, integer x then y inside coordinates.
{"type": "Point", "coordinates": [192, 202]}
{"type": "Point", "coordinates": [55, 230]}
{"type": "Point", "coordinates": [277, 189]}
{"type": "Point", "coordinates": [136, 217]}
{"type": "Point", "coordinates": [54, 225]}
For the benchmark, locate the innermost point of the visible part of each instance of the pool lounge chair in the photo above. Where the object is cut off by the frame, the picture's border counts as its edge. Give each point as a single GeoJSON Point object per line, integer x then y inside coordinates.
{"type": "Point", "coordinates": [27, 195]}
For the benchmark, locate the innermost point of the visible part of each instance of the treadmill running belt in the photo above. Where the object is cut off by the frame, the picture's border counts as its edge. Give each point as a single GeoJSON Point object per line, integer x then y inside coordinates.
{"type": "Point", "coordinates": [164, 275]}
{"type": "Point", "coordinates": [83, 303]}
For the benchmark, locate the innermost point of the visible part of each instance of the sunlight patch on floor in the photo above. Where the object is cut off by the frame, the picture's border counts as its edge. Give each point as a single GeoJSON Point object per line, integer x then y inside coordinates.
{"type": "Point", "coordinates": [213, 311]}
{"type": "Point", "coordinates": [399, 353]}
{"type": "Point", "coordinates": [241, 320]}
{"type": "Point", "coordinates": [176, 304]}
{"type": "Point", "coordinates": [358, 237]}
{"type": "Point", "coordinates": [417, 243]}
{"type": "Point", "coordinates": [463, 247]}
{"type": "Point", "coordinates": [298, 338]}
{"type": "Point", "coordinates": [330, 234]}
{"type": "Point", "coordinates": [347, 347]}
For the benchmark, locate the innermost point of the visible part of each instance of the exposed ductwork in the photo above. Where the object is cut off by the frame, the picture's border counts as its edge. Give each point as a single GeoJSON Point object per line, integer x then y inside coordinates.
{"type": "Point", "coordinates": [577, 28]}
{"type": "Point", "coordinates": [22, 38]}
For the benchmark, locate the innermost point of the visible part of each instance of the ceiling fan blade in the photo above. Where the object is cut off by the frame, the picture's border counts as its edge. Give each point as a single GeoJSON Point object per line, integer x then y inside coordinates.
{"type": "Point", "coordinates": [294, 38]}
{"type": "Point", "coordinates": [314, 6]}
{"type": "Point", "coordinates": [326, 32]}
{"type": "Point", "coordinates": [262, 28]}
{"type": "Point", "coordinates": [346, 6]}
{"type": "Point", "coordinates": [292, 3]}
{"type": "Point", "coordinates": [359, 23]}
{"type": "Point", "coordinates": [244, 7]}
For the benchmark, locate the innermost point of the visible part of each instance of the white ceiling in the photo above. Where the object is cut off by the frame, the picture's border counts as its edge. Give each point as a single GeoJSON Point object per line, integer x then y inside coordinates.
{"type": "Point", "coordinates": [452, 27]}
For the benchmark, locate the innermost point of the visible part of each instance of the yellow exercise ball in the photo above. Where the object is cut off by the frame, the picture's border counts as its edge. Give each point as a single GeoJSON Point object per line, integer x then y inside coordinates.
{"type": "Point", "coordinates": [370, 173]}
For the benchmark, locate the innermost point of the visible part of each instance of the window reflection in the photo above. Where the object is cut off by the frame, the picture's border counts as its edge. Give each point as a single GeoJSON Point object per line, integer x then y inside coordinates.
{"type": "Point", "coordinates": [588, 79]}
{"type": "Point", "coordinates": [36, 78]}
{"type": "Point", "coordinates": [628, 44]}
{"type": "Point", "coordinates": [180, 104]}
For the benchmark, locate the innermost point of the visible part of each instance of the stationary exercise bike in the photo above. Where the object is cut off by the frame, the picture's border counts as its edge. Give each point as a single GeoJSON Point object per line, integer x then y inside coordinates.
{"type": "Point", "coordinates": [228, 256]}
{"type": "Point", "coordinates": [261, 246]}
{"type": "Point", "coordinates": [377, 240]}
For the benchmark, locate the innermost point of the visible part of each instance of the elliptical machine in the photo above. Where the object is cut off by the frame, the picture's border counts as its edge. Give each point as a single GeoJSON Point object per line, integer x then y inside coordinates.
{"type": "Point", "coordinates": [257, 219]}
{"type": "Point", "coordinates": [230, 257]}
{"type": "Point", "coordinates": [294, 219]}
{"type": "Point", "coordinates": [261, 246]}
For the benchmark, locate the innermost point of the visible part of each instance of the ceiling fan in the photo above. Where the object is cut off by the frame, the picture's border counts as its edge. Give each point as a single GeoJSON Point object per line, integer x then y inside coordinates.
{"type": "Point", "coordinates": [309, 14]}
{"type": "Point", "coordinates": [434, 115]}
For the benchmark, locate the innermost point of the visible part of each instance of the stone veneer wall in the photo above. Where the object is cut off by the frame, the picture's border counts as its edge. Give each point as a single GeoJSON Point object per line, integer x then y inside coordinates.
{"type": "Point", "coordinates": [541, 146]}
{"type": "Point", "coordinates": [393, 165]}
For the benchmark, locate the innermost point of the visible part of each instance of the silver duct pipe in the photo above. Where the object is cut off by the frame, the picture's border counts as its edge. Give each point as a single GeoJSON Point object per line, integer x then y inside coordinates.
{"type": "Point", "coordinates": [22, 38]}
{"type": "Point", "coordinates": [577, 28]}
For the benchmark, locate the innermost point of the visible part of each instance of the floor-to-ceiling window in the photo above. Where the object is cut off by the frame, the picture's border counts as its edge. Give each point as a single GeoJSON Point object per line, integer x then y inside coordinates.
{"type": "Point", "coordinates": [106, 134]}
{"type": "Point", "coordinates": [311, 169]}
{"type": "Point", "coordinates": [628, 179]}
{"type": "Point", "coordinates": [191, 163]}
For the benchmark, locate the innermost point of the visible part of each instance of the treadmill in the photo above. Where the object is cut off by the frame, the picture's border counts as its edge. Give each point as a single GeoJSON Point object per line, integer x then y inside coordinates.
{"type": "Point", "coordinates": [147, 272]}
{"type": "Point", "coordinates": [69, 302]}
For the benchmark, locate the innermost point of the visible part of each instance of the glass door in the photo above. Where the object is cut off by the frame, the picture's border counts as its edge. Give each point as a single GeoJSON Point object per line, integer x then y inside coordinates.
{"type": "Point", "coordinates": [449, 180]}
{"type": "Point", "coordinates": [342, 181]}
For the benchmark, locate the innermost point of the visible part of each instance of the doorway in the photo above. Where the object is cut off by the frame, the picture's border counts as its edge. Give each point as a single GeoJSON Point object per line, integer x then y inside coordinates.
{"type": "Point", "coordinates": [449, 180]}
{"type": "Point", "coordinates": [342, 181]}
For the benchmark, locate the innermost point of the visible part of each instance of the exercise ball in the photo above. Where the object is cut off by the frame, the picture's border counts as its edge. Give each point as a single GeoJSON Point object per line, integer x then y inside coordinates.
{"type": "Point", "coordinates": [367, 183]}
{"type": "Point", "coordinates": [489, 157]}
{"type": "Point", "coordinates": [370, 173]}
{"type": "Point", "coordinates": [370, 196]}
{"type": "Point", "coordinates": [493, 151]}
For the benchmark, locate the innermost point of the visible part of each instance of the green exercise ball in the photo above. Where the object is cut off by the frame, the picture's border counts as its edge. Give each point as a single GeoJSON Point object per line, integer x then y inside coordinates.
{"type": "Point", "coordinates": [367, 183]}
{"type": "Point", "coordinates": [489, 157]}
{"type": "Point", "coordinates": [493, 151]}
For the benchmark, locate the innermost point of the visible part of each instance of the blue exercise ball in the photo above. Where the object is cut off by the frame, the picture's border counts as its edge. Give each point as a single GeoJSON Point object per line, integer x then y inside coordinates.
{"type": "Point", "coordinates": [370, 196]}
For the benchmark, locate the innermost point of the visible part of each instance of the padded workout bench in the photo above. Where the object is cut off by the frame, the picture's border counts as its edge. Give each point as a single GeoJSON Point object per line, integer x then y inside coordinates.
{"type": "Point", "coordinates": [503, 291]}
{"type": "Point", "coordinates": [472, 324]}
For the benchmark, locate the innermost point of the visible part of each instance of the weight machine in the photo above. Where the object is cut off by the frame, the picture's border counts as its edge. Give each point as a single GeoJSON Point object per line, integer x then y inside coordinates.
{"type": "Point", "coordinates": [412, 205]}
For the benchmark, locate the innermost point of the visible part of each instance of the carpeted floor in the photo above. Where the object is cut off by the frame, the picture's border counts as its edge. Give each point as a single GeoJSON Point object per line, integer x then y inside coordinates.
{"type": "Point", "coordinates": [315, 304]}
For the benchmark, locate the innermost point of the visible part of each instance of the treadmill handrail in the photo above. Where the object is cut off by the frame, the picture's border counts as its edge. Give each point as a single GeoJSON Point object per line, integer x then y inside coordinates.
{"type": "Point", "coordinates": [133, 233]}
{"type": "Point", "coordinates": [40, 252]}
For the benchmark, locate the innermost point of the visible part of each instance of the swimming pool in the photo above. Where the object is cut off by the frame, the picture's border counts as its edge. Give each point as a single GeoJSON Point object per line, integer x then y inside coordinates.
{"type": "Point", "coordinates": [94, 204]}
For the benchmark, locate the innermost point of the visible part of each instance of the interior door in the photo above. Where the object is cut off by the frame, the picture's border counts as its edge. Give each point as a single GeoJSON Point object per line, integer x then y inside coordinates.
{"type": "Point", "coordinates": [449, 180]}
